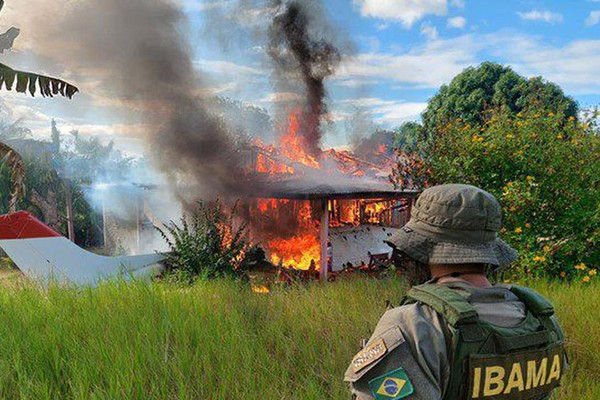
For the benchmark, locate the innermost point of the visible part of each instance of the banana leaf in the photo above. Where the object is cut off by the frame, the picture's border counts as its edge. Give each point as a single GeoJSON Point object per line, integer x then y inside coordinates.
{"type": "Point", "coordinates": [28, 82]}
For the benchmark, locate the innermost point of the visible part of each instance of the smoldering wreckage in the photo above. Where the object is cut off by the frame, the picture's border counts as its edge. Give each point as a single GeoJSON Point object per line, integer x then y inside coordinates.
{"type": "Point", "coordinates": [313, 210]}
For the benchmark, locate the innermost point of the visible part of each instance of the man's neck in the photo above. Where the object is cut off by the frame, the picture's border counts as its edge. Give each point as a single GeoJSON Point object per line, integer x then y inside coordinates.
{"type": "Point", "coordinates": [475, 279]}
{"type": "Point", "coordinates": [473, 274]}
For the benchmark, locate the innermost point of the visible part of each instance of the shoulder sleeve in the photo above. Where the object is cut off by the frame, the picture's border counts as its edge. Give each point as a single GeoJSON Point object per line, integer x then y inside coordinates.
{"type": "Point", "coordinates": [408, 341]}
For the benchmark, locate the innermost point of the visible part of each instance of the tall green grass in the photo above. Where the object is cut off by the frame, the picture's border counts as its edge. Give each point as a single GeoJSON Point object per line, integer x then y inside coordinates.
{"type": "Point", "coordinates": [218, 340]}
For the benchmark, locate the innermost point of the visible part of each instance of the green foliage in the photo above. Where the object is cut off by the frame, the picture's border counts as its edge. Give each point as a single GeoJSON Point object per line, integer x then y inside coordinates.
{"type": "Point", "coordinates": [87, 160]}
{"type": "Point", "coordinates": [27, 82]}
{"type": "Point", "coordinates": [218, 340]}
{"type": "Point", "coordinates": [407, 136]}
{"type": "Point", "coordinates": [545, 171]}
{"type": "Point", "coordinates": [479, 90]}
{"type": "Point", "coordinates": [207, 244]}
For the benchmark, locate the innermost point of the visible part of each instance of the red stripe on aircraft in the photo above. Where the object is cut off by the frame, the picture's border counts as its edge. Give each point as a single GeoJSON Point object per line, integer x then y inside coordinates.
{"type": "Point", "coordinates": [23, 225]}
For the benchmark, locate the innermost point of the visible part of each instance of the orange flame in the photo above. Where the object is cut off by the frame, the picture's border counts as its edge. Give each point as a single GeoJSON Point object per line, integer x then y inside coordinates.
{"type": "Point", "coordinates": [373, 212]}
{"type": "Point", "coordinates": [300, 252]}
{"type": "Point", "coordinates": [293, 145]}
{"type": "Point", "coordinates": [260, 289]}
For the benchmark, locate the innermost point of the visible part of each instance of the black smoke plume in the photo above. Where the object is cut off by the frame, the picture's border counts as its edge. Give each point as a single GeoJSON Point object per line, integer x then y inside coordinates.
{"type": "Point", "coordinates": [139, 52]}
{"type": "Point", "coordinates": [315, 59]}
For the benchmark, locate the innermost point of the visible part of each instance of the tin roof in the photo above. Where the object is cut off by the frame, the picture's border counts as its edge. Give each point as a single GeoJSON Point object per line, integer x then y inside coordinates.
{"type": "Point", "coordinates": [336, 188]}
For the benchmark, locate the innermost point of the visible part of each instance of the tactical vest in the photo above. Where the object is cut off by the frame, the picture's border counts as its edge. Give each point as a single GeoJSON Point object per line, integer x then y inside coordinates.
{"type": "Point", "coordinates": [490, 362]}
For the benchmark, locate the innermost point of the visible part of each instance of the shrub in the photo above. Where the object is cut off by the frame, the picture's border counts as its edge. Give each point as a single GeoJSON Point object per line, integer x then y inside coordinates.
{"type": "Point", "coordinates": [206, 244]}
{"type": "Point", "coordinates": [545, 171]}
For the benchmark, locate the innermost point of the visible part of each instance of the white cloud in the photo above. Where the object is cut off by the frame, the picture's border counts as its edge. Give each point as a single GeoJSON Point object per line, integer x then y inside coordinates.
{"type": "Point", "coordinates": [427, 66]}
{"type": "Point", "coordinates": [573, 66]}
{"type": "Point", "coordinates": [457, 22]}
{"type": "Point", "coordinates": [398, 112]}
{"type": "Point", "coordinates": [387, 112]}
{"type": "Point", "coordinates": [429, 31]}
{"type": "Point", "coordinates": [407, 12]}
{"type": "Point", "coordinates": [282, 97]}
{"type": "Point", "coordinates": [226, 68]}
{"type": "Point", "coordinates": [368, 102]}
{"type": "Point", "coordinates": [593, 18]}
{"type": "Point", "coordinates": [460, 3]}
{"type": "Point", "coordinates": [545, 16]}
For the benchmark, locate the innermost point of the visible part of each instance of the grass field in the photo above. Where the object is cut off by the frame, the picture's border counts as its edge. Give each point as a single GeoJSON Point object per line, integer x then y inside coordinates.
{"type": "Point", "coordinates": [218, 340]}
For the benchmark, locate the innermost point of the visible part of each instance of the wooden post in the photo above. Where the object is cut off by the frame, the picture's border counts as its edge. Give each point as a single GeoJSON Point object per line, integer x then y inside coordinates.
{"type": "Point", "coordinates": [69, 201]}
{"type": "Point", "coordinates": [104, 219]}
{"type": "Point", "coordinates": [138, 221]}
{"type": "Point", "coordinates": [324, 237]}
{"type": "Point", "coordinates": [411, 203]}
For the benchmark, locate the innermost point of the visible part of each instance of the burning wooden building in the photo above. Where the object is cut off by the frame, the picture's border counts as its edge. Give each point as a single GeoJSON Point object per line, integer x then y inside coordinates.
{"type": "Point", "coordinates": [325, 213]}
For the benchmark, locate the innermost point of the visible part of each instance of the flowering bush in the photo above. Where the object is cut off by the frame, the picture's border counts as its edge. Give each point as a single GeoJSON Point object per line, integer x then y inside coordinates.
{"type": "Point", "coordinates": [545, 171]}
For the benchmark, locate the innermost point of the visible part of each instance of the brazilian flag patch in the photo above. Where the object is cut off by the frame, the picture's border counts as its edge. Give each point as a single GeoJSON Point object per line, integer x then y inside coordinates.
{"type": "Point", "coordinates": [394, 385]}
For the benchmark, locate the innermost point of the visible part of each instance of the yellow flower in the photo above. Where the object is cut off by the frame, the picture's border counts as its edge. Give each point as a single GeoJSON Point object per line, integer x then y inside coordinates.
{"type": "Point", "coordinates": [507, 281]}
{"type": "Point", "coordinates": [530, 178]}
{"type": "Point", "coordinates": [512, 208]}
{"type": "Point", "coordinates": [563, 274]}
{"type": "Point", "coordinates": [537, 115]}
{"type": "Point", "coordinates": [539, 258]}
{"type": "Point", "coordinates": [527, 225]}
{"type": "Point", "coordinates": [551, 114]}
{"type": "Point", "coordinates": [520, 114]}
{"type": "Point", "coordinates": [505, 188]}
{"type": "Point", "coordinates": [492, 146]}
{"type": "Point", "coordinates": [593, 272]}
{"type": "Point", "coordinates": [586, 278]}
{"type": "Point", "coordinates": [509, 184]}
{"type": "Point", "coordinates": [580, 267]}
{"type": "Point", "coordinates": [518, 230]}
{"type": "Point", "coordinates": [571, 118]}
{"type": "Point", "coordinates": [520, 152]}
{"type": "Point", "coordinates": [519, 123]}
{"type": "Point", "coordinates": [546, 249]}
{"type": "Point", "coordinates": [559, 137]}
{"type": "Point", "coordinates": [509, 136]}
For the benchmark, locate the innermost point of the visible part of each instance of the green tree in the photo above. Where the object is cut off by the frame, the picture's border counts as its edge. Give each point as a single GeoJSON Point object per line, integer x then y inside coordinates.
{"type": "Point", "coordinates": [474, 94]}
{"type": "Point", "coordinates": [545, 170]}
{"type": "Point", "coordinates": [26, 81]}
{"type": "Point", "coordinates": [407, 136]}
{"type": "Point", "coordinates": [85, 160]}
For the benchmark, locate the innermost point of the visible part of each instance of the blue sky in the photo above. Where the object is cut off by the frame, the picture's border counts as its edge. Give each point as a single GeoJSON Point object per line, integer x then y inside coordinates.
{"type": "Point", "coordinates": [398, 53]}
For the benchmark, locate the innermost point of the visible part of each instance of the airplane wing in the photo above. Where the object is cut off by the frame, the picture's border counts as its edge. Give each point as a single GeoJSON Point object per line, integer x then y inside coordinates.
{"type": "Point", "coordinates": [43, 254]}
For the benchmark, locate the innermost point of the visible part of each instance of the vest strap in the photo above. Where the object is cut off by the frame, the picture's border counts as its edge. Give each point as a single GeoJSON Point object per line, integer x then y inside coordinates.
{"type": "Point", "coordinates": [455, 308]}
{"type": "Point", "coordinates": [538, 305]}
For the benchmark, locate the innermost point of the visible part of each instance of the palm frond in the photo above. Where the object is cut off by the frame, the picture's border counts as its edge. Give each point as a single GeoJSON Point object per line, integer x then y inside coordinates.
{"type": "Point", "coordinates": [26, 81]}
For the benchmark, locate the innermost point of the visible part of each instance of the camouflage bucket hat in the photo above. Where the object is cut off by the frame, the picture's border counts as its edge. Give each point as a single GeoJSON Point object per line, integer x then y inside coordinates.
{"type": "Point", "coordinates": [454, 224]}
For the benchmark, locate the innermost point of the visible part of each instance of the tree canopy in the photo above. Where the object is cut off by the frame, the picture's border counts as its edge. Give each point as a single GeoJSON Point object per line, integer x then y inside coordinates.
{"type": "Point", "coordinates": [474, 94]}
